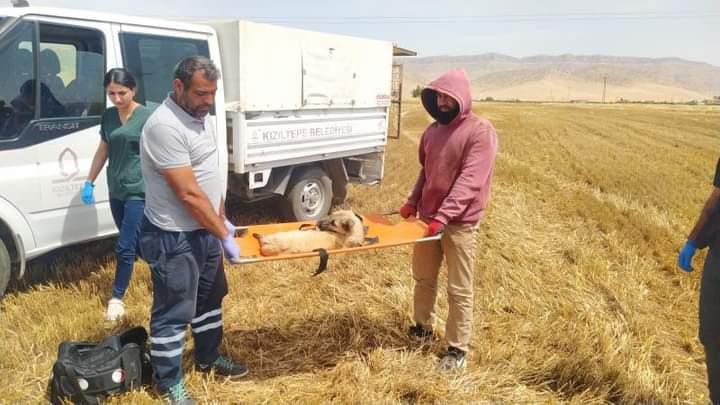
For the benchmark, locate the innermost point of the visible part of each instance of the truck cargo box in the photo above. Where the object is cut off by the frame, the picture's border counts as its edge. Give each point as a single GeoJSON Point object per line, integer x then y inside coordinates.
{"type": "Point", "coordinates": [295, 97]}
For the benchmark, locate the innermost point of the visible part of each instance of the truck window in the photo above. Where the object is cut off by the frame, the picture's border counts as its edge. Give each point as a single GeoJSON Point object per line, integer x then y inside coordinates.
{"type": "Point", "coordinates": [152, 59]}
{"type": "Point", "coordinates": [57, 75]}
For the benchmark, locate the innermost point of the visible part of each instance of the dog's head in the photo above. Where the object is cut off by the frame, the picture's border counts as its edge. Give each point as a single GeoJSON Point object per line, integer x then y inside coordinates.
{"type": "Point", "coordinates": [343, 222]}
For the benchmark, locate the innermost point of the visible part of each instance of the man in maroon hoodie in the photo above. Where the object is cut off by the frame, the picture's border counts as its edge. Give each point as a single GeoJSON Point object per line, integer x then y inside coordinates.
{"type": "Point", "coordinates": [457, 154]}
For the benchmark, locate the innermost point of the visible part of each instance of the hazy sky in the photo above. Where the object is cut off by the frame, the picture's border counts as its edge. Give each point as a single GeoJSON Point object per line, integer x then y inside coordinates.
{"type": "Point", "coordinates": [688, 29]}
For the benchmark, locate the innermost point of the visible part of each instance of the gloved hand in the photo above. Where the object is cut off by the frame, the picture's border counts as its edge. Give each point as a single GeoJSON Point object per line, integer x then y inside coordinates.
{"type": "Point", "coordinates": [686, 255]}
{"type": "Point", "coordinates": [87, 193]}
{"type": "Point", "coordinates": [231, 248]}
{"type": "Point", "coordinates": [229, 226]}
{"type": "Point", "coordinates": [407, 211]}
{"type": "Point", "coordinates": [434, 228]}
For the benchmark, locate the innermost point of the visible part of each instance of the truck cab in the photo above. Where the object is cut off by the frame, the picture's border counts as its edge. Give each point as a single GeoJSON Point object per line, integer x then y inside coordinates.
{"type": "Point", "coordinates": [299, 115]}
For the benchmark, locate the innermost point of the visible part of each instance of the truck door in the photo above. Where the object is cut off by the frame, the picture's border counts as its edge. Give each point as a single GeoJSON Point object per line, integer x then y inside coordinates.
{"type": "Point", "coordinates": [53, 98]}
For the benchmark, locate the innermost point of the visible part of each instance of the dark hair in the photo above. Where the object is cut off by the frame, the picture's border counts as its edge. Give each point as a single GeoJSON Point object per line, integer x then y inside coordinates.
{"type": "Point", "coordinates": [187, 67]}
{"type": "Point", "coordinates": [121, 77]}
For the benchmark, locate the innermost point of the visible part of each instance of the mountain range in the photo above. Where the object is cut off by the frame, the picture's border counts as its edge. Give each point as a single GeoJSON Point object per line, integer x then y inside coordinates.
{"type": "Point", "coordinates": [571, 77]}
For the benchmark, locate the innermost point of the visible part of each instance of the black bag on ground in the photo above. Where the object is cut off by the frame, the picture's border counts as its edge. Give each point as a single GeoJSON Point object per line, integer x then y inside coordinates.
{"type": "Point", "coordinates": [86, 373]}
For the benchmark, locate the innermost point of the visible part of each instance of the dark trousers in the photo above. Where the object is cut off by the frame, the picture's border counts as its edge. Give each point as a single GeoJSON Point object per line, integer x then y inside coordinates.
{"type": "Point", "coordinates": [710, 321]}
{"type": "Point", "coordinates": [188, 287]}
{"type": "Point", "coordinates": [128, 216]}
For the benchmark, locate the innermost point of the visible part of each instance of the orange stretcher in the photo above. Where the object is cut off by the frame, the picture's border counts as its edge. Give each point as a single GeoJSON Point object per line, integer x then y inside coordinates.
{"type": "Point", "coordinates": [381, 232]}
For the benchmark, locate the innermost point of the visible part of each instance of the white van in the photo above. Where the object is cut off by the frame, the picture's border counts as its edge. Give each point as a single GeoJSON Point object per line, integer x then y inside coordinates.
{"type": "Point", "coordinates": [302, 114]}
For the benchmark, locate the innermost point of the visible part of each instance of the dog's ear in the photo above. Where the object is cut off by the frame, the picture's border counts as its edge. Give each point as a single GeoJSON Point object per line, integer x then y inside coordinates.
{"type": "Point", "coordinates": [347, 225]}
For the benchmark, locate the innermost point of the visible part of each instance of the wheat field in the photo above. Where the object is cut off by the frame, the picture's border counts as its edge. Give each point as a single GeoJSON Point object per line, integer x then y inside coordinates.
{"type": "Point", "coordinates": [578, 299]}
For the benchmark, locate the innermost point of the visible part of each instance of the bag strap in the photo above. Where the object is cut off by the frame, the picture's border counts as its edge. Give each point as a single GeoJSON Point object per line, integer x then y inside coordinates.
{"type": "Point", "coordinates": [137, 335]}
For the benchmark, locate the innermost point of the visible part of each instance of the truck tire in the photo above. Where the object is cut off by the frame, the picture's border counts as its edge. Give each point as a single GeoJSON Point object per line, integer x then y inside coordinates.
{"type": "Point", "coordinates": [309, 195]}
{"type": "Point", "coordinates": [5, 267]}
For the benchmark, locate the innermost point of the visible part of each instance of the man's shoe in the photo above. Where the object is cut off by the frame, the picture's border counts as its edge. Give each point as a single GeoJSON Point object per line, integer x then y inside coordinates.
{"type": "Point", "coordinates": [452, 360]}
{"type": "Point", "coordinates": [420, 332]}
{"type": "Point", "coordinates": [115, 310]}
{"type": "Point", "coordinates": [178, 395]}
{"type": "Point", "coordinates": [225, 367]}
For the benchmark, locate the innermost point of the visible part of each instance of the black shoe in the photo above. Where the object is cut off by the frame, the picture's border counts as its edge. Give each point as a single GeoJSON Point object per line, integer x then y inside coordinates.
{"type": "Point", "coordinates": [178, 395]}
{"type": "Point", "coordinates": [419, 332]}
{"type": "Point", "coordinates": [225, 367]}
{"type": "Point", "coordinates": [452, 360]}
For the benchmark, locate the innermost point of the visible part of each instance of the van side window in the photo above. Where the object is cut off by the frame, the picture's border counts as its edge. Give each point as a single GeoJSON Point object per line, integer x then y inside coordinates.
{"type": "Point", "coordinates": [152, 59]}
{"type": "Point", "coordinates": [72, 66]}
{"type": "Point", "coordinates": [17, 105]}
{"type": "Point", "coordinates": [56, 75]}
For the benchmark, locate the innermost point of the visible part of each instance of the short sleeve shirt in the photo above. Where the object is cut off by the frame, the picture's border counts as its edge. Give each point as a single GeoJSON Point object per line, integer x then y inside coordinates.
{"type": "Point", "coordinates": [172, 138]}
{"type": "Point", "coordinates": [124, 176]}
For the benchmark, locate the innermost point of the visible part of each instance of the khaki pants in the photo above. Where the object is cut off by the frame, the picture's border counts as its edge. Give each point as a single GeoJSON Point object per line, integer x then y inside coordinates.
{"type": "Point", "coordinates": [459, 246]}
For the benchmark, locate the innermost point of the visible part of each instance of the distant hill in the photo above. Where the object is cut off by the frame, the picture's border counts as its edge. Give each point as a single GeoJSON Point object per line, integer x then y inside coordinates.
{"type": "Point", "coordinates": [572, 77]}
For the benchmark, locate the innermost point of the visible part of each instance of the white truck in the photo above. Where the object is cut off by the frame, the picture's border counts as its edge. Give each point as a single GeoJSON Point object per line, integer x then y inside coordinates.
{"type": "Point", "coordinates": [302, 114]}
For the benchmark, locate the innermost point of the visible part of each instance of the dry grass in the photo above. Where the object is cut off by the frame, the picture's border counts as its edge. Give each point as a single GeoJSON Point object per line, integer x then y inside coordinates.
{"type": "Point", "coordinates": [578, 299]}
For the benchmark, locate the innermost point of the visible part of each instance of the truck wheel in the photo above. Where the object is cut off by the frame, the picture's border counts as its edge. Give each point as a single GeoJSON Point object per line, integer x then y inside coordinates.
{"type": "Point", "coordinates": [5, 267]}
{"type": "Point", "coordinates": [310, 195]}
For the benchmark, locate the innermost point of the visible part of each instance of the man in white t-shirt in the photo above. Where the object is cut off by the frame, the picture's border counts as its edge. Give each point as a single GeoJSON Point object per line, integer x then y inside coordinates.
{"type": "Point", "coordinates": [185, 232]}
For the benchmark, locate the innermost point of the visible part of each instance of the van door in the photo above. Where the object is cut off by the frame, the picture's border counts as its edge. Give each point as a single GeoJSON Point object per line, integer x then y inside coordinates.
{"type": "Point", "coordinates": [51, 124]}
{"type": "Point", "coordinates": [19, 185]}
{"type": "Point", "coordinates": [151, 55]}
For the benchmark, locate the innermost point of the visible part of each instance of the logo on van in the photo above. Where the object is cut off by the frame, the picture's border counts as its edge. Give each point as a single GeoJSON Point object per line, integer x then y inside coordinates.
{"type": "Point", "coordinates": [69, 183]}
{"type": "Point", "coordinates": [68, 163]}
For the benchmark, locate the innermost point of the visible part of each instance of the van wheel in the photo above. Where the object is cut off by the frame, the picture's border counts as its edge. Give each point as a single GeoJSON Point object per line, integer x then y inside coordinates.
{"type": "Point", "coordinates": [5, 267]}
{"type": "Point", "coordinates": [309, 196]}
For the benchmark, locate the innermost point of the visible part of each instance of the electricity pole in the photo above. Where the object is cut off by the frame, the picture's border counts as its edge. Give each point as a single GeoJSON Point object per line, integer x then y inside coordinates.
{"type": "Point", "coordinates": [604, 86]}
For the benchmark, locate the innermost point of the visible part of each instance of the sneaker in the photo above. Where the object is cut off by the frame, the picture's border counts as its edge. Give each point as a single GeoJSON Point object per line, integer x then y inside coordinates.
{"type": "Point", "coordinates": [420, 332]}
{"type": "Point", "coordinates": [452, 360]}
{"type": "Point", "coordinates": [115, 310]}
{"type": "Point", "coordinates": [178, 395]}
{"type": "Point", "coordinates": [225, 367]}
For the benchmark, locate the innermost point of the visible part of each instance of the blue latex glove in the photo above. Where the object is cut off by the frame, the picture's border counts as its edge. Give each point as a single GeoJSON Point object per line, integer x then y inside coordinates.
{"type": "Point", "coordinates": [231, 248]}
{"type": "Point", "coordinates": [87, 193]}
{"type": "Point", "coordinates": [686, 255]}
{"type": "Point", "coordinates": [229, 226]}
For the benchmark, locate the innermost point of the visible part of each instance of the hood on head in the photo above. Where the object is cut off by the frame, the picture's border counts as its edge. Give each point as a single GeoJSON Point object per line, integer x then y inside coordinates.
{"type": "Point", "coordinates": [454, 83]}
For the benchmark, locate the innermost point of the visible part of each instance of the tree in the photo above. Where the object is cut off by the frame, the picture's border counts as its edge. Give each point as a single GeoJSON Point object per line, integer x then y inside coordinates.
{"type": "Point", "coordinates": [416, 91]}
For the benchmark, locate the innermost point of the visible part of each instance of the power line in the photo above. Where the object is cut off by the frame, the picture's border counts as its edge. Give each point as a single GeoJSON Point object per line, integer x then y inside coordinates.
{"type": "Point", "coordinates": [398, 19]}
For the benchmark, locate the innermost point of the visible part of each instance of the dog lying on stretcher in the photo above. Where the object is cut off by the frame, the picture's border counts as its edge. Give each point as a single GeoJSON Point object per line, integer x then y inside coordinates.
{"type": "Point", "coordinates": [341, 229]}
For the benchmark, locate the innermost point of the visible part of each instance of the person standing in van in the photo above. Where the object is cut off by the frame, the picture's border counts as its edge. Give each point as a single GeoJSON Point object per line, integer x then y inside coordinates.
{"type": "Point", "coordinates": [120, 131]}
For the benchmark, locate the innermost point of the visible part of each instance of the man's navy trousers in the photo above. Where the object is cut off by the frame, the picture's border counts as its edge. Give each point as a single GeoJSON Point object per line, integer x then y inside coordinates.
{"type": "Point", "coordinates": [188, 287]}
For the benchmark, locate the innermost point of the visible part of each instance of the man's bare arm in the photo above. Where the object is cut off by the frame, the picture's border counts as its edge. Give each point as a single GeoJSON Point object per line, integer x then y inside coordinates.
{"type": "Point", "coordinates": [705, 214]}
{"type": "Point", "coordinates": [182, 181]}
